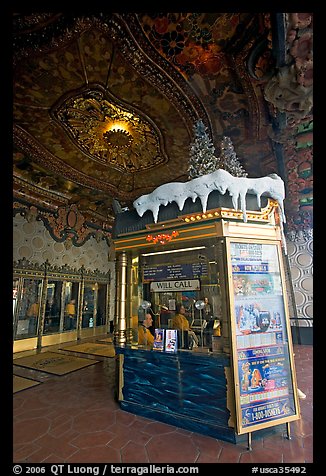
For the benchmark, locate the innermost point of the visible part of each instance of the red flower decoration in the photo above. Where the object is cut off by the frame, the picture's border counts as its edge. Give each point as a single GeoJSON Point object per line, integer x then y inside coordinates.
{"type": "Point", "coordinates": [162, 238]}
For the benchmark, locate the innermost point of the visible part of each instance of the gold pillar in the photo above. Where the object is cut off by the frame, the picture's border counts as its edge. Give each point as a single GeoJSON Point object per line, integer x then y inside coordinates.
{"type": "Point", "coordinates": [226, 322]}
{"type": "Point", "coordinates": [121, 327]}
{"type": "Point", "coordinates": [42, 311]}
{"type": "Point", "coordinates": [81, 288]}
{"type": "Point", "coordinates": [107, 303]}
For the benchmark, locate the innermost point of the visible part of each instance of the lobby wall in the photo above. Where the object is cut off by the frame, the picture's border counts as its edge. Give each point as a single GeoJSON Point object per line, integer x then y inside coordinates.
{"type": "Point", "coordinates": [300, 257]}
{"type": "Point", "coordinates": [32, 241]}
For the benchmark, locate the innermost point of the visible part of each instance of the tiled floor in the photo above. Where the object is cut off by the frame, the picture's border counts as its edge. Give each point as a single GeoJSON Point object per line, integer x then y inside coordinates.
{"type": "Point", "coordinates": [75, 419]}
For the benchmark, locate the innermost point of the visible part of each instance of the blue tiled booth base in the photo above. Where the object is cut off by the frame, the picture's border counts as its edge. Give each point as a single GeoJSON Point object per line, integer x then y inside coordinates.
{"type": "Point", "coordinates": [185, 389]}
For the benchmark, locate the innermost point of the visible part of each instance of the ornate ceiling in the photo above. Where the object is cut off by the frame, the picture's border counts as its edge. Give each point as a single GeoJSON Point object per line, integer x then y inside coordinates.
{"type": "Point", "coordinates": [105, 105]}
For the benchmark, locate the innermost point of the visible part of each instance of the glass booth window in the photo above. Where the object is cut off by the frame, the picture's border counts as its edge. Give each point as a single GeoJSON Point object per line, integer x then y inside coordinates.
{"type": "Point", "coordinates": [29, 309]}
{"type": "Point", "coordinates": [183, 277]}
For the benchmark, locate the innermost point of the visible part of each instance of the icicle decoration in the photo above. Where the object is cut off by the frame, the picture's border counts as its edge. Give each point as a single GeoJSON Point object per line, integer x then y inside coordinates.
{"type": "Point", "coordinates": [222, 181]}
{"type": "Point", "coordinates": [272, 185]}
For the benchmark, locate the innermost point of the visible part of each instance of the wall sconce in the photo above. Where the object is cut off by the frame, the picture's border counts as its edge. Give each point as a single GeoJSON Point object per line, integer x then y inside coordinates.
{"type": "Point", "coordinates": [145, 305]}
{"type": "Point", "coordinates": [199, 305]}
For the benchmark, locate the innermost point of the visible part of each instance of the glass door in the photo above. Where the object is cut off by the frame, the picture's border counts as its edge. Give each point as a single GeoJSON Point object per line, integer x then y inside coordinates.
{"type": "Point", "coordinates": [71, 302]}
{"type": "Point", "coordinates": [88, 306]}
{"type": "Point", "coordinates": [101, 314]}
{"type": "Point", "coordinates": [53, 321]}
{"type": "Point", "coordinates": [28, 308]}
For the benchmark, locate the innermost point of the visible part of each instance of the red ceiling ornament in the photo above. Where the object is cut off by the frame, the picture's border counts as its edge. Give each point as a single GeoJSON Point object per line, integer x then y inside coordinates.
{"type": "Point", "coordinates": [162, 238]}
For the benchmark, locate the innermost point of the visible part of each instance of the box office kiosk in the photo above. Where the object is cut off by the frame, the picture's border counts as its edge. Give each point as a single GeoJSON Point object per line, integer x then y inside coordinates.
{"type": "Point", "coordinates": [227, 272]}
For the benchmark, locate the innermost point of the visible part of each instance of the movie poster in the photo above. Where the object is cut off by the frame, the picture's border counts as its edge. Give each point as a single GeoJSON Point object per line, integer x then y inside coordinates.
{"type": "Point", "coordinates": [158, 339]}
{"type": "Point", "coordinates": [171, 340]}
{"type": "Point", "coordinates": [264, 369]}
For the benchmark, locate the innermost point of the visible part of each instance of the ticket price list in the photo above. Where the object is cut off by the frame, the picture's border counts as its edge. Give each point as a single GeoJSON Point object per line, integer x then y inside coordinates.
{"type": "Point", "coordinates": [176, 271]}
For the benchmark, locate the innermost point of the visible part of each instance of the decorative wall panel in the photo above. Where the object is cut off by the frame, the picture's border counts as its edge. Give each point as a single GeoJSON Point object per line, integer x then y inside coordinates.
{"type": "Point", "coordinates": [300, 254]}
{"type": "Point", "coordinates": [33, 242]}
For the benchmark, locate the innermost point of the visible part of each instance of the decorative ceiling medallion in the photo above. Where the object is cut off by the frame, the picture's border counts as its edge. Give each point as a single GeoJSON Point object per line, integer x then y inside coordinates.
{"type": "Point", "coordinates": [109, 131]}
{"type": "Point", "coordinates": [118, 138]}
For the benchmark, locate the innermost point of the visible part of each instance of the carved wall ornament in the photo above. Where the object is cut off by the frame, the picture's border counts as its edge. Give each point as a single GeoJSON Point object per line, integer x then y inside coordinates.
{"type": "Point", "coordinates": [261, 65]}
{"type": "Point", "coordinates": [284, 92]}
{"type": "Point", "coordinates": [300, 235]}
{"type": "Point", "coordinates": [299, 20]}
{"type": "Point", "coordinates": [31, 214]}
{"type": "Point", "coordinates": [67, 224]}
{"type": "Point", "coordinates": [96, 274]}
{"type": "Point", "coordinates": [64, 269]}
{"type": "Point", "coordinates": [46, 268]}
{"type": "Point", "coordinates": [24, 264]}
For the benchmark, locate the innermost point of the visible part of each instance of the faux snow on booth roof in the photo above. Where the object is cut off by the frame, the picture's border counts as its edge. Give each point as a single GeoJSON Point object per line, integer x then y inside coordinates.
{"type": "Point", "coordinates": [222, 181]}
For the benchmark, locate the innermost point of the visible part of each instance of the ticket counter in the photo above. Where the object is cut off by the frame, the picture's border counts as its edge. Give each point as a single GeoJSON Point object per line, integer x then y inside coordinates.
{"type": "Point", "coordinates": [164, 387]}
{"type": "Point", "coordinates": [228, 274]}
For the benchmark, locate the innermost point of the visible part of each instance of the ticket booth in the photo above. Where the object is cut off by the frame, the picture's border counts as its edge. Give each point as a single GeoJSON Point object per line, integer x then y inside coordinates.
{"type": "Point", "coordinates": [227, 273]}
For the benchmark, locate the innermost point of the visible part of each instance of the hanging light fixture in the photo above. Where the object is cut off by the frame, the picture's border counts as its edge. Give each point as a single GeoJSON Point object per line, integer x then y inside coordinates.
{"type": "Point", "coordinates": [199, 305]}
{"type": "Point", "coordinates": [118, 136]}
{"type": "Point", "coordinates": [145, 305]}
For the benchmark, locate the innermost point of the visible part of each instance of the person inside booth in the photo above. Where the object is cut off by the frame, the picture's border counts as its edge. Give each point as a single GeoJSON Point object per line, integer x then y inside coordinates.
{"type": "Point", "coordinates": [181, 323]}
{"type": "Point", "coordinates": [145, 337]}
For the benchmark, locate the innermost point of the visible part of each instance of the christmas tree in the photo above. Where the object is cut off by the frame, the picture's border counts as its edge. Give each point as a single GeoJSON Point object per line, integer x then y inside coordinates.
{"type": "Point", "coordinates": [228, 159]}
{"type": "Point", "coordinates": [202, 159]}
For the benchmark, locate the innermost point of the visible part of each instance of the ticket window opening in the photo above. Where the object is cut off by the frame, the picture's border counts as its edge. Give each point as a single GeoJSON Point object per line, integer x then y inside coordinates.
{"type": "Point", "coordinates": [164, 306]}
{"type": "Point", "coordinates": [202, 321]}
{"type": "Point", "coordinates": [162, 272]}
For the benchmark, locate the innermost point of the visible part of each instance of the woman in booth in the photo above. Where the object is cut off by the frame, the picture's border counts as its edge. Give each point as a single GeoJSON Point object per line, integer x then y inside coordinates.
{"type": "Point", "coordinates": [180, 322]}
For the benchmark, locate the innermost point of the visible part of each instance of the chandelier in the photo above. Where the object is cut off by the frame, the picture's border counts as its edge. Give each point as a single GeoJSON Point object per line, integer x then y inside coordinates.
{"type": "Point", "coordinates": [118, 138]}
{"type": "Point", "coordinates": [110, 132]}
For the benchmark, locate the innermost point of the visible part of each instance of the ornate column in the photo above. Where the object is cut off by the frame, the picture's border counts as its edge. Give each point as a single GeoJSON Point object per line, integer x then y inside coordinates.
{"type": "Point", "coordinates": [222, 267]}
{"type": "Point", "coordinates": [40, 331]}
{"type": "Point", "coordinates": [80, 306]}
{"type": "Point", "coordinates": [121, 327]}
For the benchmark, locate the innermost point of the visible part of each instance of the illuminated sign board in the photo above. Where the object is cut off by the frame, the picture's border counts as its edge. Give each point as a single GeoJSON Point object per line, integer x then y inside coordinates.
{"type": "Point", "coordinates": [180, 285]}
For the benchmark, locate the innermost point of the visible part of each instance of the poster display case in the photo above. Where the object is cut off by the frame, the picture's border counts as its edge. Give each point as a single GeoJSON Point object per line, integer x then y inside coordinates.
{"type": "Point", "coordinates": [265, 384]}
